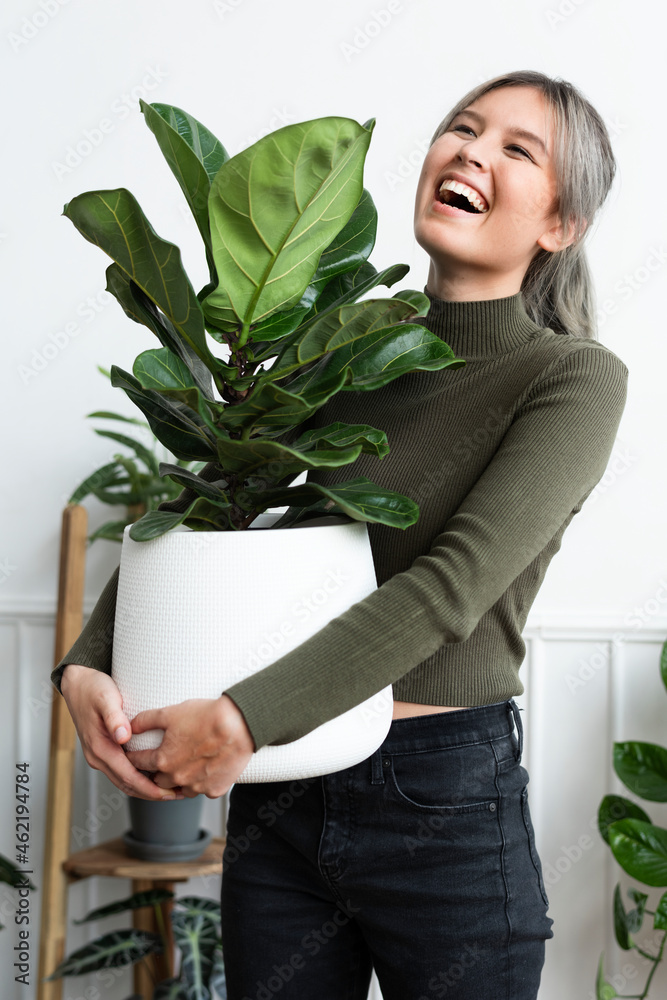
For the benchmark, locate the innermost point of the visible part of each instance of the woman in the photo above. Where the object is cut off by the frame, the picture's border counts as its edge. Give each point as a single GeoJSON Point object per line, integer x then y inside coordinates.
{"type": "Point", "coordinates": [420, 861]}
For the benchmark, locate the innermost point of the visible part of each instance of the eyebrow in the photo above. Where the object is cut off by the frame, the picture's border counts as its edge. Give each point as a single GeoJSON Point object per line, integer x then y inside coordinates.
{"type": "Point", "coordinates": [513, 130]}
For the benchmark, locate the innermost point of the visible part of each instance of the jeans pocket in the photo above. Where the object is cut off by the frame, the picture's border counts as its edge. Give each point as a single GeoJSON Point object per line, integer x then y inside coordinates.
{"type": "Point", "coordinates": [525, 811]}
{"type": "Point", "coordinates": [458, 779]}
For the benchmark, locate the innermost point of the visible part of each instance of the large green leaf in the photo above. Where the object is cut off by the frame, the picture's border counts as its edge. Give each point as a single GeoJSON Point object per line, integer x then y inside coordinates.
{"type": "Point", "coordinates": [260, 457]}
{"type": "Point", "coordinates": [344, 288]}
{"type": "Point", "coordinates": [278, 325]}
{"type": "Point", "coordinates": [348, 289]}
{"type": "Point", "coordinates": [354, 321]}
{"type": "Point", "coordinates": [181, 431]}
{"type": "Point", "coordinates": [274, 208]}
{"type": "Point", "coordinates": [162, 369]}
{"type": "Point", "coordinates": [194, 156]}
{"type": "Point", "coordinates": [196, 936]}
{"type": "Point", "coordinates": [339, 435]}
{"type": "Point", "coordinates": [157, 522]}
{"type": "Point", "coordinates": [210, 490]}
{"type": "Point", "coordinates": [113, 950]}
{"type": "Point", "coordinates": [114, 221]}
{"type": "Point", "coordinates": [643, 768]}
{"type": "Point", "coordinates": [614, 808]}
{"type": "Point", "coordinates": [348, 250]}
{"type": "Point", "coordinates": [358, 498]}
{"type": "Point", "coordinates": [208, 516]}
{"type": "Point", "coordinates": [346, 253]}
{"type": "Point", "coordinates": [621, 929]}
{"type": "Point", "coordinates": [641, 850]}
{"type": "Point", "coordinates": [380, 357]}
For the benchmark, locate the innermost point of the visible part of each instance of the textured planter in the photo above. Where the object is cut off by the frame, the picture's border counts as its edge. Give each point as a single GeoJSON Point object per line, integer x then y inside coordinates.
{"type": "Point", "coordinates": [198, 611]}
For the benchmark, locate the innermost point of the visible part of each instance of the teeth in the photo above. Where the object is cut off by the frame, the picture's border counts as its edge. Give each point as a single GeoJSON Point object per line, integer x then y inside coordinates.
{"type": "Point", "coordinates": [476, 200]}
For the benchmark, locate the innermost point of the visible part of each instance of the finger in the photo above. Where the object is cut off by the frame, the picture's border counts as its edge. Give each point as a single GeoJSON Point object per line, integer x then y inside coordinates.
{"type": "Point", "coordinates": [150, 718]}
{"type": "Point", "coordinates": [125, 776]}
{"type": "Point", "coordinates": [115, 720]}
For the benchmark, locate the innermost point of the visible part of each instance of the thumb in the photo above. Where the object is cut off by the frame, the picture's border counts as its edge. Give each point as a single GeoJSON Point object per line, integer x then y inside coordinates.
{"type": "Point", "coordinates": [117, 725]}
{"type": "Point", "coordinates": [150, 718]}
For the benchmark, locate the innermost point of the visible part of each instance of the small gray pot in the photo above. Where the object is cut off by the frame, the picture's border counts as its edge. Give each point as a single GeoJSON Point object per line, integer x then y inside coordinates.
{"type": "Point", "coordinates": [166, 831]}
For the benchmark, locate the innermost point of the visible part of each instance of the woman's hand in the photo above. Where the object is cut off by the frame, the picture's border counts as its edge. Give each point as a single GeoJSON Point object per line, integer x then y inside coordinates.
{"type": "Point", "coordinates": [96, 707]}
{"type": "Point", "coordinates": [206, 746]}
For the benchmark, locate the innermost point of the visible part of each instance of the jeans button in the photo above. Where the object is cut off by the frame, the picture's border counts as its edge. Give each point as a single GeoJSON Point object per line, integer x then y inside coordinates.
{"type": "Point", "coordinates": [386, 762]}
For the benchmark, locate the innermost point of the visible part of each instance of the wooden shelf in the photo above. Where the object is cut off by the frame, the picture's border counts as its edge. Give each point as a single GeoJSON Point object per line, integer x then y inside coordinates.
{"type": "Point", "coordinates": [112, 858]}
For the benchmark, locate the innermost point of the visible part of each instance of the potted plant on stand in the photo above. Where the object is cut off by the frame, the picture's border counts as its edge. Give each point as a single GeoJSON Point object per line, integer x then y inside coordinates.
{"type": "Point", "coordinates": [287, 229]}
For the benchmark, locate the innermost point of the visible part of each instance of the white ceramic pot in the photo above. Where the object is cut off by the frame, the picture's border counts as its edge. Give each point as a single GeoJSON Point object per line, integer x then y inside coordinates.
{"type": "Point", "coordinates": [197, 611]}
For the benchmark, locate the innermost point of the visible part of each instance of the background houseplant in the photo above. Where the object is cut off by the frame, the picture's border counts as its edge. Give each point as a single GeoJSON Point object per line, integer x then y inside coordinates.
{"type": "Point", "coordinates": [638, 846]}
{"type": "Point", "coordinates": [196, 925]}
{"type": "Point", "coordinates": [124, 482]}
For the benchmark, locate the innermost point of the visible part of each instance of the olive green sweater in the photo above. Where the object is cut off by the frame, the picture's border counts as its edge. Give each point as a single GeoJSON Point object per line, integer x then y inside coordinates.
{"type": "Point", "coordinates": [500, 454]}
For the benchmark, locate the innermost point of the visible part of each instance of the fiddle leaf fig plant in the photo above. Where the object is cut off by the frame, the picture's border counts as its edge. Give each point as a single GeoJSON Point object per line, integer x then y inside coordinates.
{"type": "Point", "coordinates": [639, 847]}
{"type": "Point", "coordinates": [287, 229]}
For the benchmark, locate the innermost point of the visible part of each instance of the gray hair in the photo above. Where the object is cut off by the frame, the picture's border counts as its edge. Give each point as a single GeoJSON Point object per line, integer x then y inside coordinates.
{"type": "Point", "coordinates": [557, 288]}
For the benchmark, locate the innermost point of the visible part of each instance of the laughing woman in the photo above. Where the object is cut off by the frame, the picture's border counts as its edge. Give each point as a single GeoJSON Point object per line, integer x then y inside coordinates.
{"type": "Point", "coordinates": [420, 861]}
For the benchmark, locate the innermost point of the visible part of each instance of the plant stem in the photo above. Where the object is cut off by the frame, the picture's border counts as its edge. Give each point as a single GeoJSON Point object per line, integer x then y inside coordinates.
{"type": "Point", "coordinates": [656, 962]}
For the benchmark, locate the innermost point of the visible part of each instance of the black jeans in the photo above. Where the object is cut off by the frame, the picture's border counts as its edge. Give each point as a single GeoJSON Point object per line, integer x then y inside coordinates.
{"type": "Point", "coordinates": [419, 862]}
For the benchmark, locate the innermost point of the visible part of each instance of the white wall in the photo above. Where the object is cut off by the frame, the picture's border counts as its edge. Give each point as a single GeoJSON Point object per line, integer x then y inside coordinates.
{"type": "Point", "coordinates": [244, 66]}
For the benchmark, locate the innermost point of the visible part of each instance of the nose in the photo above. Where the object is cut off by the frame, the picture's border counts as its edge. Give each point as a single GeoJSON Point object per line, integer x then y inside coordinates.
{"type": "Point", "coordinates": [468, 155]}
{"type": "Point", "coordinates": [471, 151]}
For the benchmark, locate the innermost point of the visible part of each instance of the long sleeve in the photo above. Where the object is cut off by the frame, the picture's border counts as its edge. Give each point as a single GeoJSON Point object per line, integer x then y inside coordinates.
{"type": "Point", "coordinates": [548, 461]}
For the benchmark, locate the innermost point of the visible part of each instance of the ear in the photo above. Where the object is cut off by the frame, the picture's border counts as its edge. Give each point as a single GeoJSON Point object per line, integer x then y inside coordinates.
{"type": "Point", "coordinates": [556, 238]}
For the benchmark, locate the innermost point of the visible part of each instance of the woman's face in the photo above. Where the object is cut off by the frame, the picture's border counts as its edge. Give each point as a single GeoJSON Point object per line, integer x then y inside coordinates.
{"type": "Point", "coordinates": [487, 149]}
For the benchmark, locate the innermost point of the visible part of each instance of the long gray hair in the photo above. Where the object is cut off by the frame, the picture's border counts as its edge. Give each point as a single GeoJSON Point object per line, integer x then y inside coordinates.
{"type": "Point", "coordinates": [557, 288]}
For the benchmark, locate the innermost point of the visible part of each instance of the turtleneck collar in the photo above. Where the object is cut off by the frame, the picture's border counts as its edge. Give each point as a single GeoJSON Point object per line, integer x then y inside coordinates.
{"type": "Point", "coordinates": [483, 328]}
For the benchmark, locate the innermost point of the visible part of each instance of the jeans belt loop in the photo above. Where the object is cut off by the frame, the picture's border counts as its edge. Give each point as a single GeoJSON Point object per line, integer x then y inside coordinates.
{"type": "Point", "coordinates": [514, 709]}
{"type": "Point", "coordinates": [377, 770]}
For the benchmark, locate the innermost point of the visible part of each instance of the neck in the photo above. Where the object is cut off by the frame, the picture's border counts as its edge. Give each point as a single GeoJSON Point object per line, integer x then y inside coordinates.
{"type": "Point", "coordinates": [480, 328]}
{"type": "Point", "coordinates": [468, 285]}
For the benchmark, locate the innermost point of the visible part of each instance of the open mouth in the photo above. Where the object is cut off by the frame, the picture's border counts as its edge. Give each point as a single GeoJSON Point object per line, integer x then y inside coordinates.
{"type": "Point", "coordinates": [461, 196]}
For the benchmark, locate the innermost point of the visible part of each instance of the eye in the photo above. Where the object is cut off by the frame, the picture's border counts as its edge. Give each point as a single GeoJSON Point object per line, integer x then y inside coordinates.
{"type": "Point", "coordinates": [457, 128]}
{"type": "Point", "coordinates": [520, 149]}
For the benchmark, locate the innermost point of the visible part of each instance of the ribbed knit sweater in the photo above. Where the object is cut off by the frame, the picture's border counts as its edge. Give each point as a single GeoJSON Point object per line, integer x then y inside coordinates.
{"type": "Point", "coordinates": [499, 454]}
